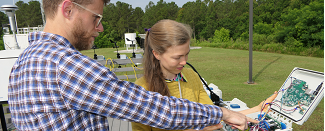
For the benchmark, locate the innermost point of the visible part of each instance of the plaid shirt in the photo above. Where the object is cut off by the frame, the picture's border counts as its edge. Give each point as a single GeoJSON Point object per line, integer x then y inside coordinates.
{"type": "Point", "coordinates": [52, 86]}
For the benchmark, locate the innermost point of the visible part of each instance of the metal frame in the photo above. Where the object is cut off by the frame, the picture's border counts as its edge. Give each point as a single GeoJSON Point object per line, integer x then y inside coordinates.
{"type": "Point", "coordinates": [2, 116]}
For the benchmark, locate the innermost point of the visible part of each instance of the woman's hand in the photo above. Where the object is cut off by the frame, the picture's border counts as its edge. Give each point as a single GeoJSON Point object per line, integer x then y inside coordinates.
{"type": "Point", "coordinates": [259, 107]}
{"type": "Point", "coordinates": [265, 104]}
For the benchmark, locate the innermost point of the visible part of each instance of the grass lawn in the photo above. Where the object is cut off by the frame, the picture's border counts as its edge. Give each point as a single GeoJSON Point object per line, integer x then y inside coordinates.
{"type": "Point", "coordinates": [229, 70]}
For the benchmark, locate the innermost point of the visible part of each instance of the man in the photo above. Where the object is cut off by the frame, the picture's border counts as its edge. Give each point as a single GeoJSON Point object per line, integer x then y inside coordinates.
{"type": "Point", "coordinates": [52, 86]}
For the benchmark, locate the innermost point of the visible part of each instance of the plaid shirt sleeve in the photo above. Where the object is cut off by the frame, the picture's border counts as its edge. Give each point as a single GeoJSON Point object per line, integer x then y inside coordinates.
{"type": "Point", "coordinates": [87, 85]}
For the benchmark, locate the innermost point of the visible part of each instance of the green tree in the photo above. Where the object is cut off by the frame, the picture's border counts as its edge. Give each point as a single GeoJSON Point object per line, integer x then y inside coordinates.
{"type": "Point", "coordinates": [121, 27]}
{"type": "Point", "coordinates": [305, 25]}
{"type": "Point", "coordinates": [221, 35]}
{"type": "Point", "coordinates": [3, 20]}
{"type": "Point", "coordinates": [263, 28]}
{"type": "Point", "coordinates": [29, 15]}
{"type": "Point", "coordinates": [172, 9]}
{"type": "Point", "coordinates": [148, 19]}
{"type": "Point", "coordinates": [193, 14]}
{"type": "Point", "coordinates": [161, 10]}
{"type": "Point", "coordinates": [226, 13]}
{"type": "Point", "coordinates": [310, 26]}
{"type": "Point", "coordinates": [119, 17]}
{"type": "Point", "coordinates": [104, 38]}
{"type": "Point", "coordinates": [270, 11]}
{"type": "Point", "coordinates": [125, 12]}
{"type": "Point", "coordinates": [136, 19]}
{"type": "Point", "coordinates": [241, 26]}
{"type": "Point", "coordinates": [240, 18]}
{"type": "Point", "coordinates": [299, 3]}
{"type": "Point", "coordinates": [210, 19]}
{"type": "Point", "coordinates": [110, 15]}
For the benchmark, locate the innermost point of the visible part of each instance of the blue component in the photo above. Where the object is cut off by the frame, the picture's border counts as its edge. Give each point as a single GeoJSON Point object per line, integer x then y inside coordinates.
{"type": "Point", "coordinates": [283, 126]}
{"type": "Point", "coordinates": [260, 116]}
{"type": "Point", "coordinates": [210, 88]}
{"type": "Point", "coordinates": [264, 125]}
{"type": "Point", "coordinates": [234, 106]}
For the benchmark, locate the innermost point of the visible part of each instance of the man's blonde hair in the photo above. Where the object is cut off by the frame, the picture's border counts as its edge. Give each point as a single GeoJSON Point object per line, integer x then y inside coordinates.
{"type": "Point", "coordinates": [50, 6]}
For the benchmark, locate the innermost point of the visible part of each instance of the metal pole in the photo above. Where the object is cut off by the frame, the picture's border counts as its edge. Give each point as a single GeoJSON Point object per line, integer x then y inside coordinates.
{"type": "Point", "coordinates": [42, 11]}
{"type": "Point", "coordinates": [3, 119]}
{"type": "Point", "coordinates": [250, 42]}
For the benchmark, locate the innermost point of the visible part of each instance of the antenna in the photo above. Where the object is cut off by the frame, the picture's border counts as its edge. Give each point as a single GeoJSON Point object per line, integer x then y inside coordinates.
{"type": "Point", "coordinates": [10, 11]}
{"type": "Point", "coordinates": [95, 55]}
{"type": "Point", "coordinates": [133, 54]}
{"type": "Point", "coordinates": [117, 54]}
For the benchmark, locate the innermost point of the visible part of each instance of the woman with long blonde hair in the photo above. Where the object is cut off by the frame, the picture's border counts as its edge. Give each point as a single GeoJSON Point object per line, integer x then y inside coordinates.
{"type": "Point", "coordinates": [167, 45]}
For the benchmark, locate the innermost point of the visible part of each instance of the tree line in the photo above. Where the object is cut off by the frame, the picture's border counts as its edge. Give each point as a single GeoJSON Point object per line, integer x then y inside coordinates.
{"type": "Point", "coordinates": [294, 23]}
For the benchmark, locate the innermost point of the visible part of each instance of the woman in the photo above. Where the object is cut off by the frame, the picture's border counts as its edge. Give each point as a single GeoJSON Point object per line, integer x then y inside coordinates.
{"type": "Point", "coordinates": [167, 46]}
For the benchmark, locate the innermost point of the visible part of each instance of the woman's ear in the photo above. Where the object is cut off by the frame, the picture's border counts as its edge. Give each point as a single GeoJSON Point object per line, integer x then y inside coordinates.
{"type": "Point", "coordinates": [66, 9]}
{"type": "Point", "coordinates": [155, 54]}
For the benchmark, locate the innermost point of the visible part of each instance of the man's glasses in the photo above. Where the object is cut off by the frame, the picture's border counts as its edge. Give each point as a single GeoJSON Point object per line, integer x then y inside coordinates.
{"type": "Point", "coordinates": [98, 15]}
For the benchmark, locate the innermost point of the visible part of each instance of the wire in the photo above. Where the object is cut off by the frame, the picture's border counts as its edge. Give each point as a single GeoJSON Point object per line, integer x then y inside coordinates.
{"type": "Point", "coordinates": [214, 97]}
{"type": "Point", "coordinates": [134, 64]}
{"type": "Point", "coordinates": [110, 69]}
{"type": "Point", "coordinates": [288, 111]}
{"type": "Point", "coordinates": [135, 74]}
{"type": "Point", "coordinates": [281, 108]}
{"type": "Point", "coordinates": [265, 112]}
{"type": "Point", "coordinates": [300, 106]}
{"type": "Point", "coordinates": [283, 90]}
{"type": "Point", "coordinates": [127, 78]}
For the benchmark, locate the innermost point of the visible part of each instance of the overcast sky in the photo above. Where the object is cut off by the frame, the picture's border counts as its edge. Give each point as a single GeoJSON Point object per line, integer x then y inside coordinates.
{"type": "Point", "coordinates": [134, 3]}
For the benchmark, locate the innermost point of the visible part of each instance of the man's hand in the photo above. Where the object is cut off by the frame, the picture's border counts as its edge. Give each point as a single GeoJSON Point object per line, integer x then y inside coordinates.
{"type": "Point", "coordinates": [239, 120]}
{"type": "Point", "coordinates": [235, 119]}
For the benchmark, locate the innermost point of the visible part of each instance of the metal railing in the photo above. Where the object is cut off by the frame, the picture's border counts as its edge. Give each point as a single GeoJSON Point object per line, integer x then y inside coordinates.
{"type": "Point", "coordinates": [25, 30]}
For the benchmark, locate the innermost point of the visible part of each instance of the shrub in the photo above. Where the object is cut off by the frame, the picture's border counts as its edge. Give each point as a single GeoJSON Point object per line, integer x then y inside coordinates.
{"type": "Point", "coordinates": [292, 42]}
{"type": "Point", "coordinates": [268, 46]}
{"type": "Point", "coordinates": [221, 36]}
{"type": "Point", "coordinates": [263, 28]}
{"type": "Point", "coordinates": [244, 36]}
{"type": "Point", "coordinates": [120, 43]}
{"type": "Point", "coordinates": [259, 39]}
{"type": "Point", "coordinates": [2, 47]}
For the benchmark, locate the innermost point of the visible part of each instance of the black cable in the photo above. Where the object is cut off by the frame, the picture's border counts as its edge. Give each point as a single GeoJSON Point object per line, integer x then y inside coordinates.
{"type": "Point", "coordinates": [318, 88]}
{"type": "Point", "coordinates": [214, 97]}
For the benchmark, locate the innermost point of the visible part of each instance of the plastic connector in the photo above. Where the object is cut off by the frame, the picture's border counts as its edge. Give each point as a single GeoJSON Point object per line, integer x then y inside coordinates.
{"type": "Point", "coordinates": [234, 106]}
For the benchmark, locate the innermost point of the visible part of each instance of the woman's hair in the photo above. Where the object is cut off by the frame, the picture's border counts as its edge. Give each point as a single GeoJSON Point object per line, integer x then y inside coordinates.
{"type": "Point", "coordinates": [50, 6]}
{"type": "Point", "coordinates": [162, 35]}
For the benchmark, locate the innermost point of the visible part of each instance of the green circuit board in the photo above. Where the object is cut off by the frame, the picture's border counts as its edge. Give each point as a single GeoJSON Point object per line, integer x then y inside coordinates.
{"type": "Point", "coordinates": [296, 94]}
